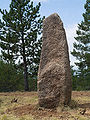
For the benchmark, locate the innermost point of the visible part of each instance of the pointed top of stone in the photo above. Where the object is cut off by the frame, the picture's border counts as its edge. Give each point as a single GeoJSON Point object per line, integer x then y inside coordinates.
{"type": "Point", "coordinates": [53, 17]}
{"type": "Point", "coordinates": [54, 14]}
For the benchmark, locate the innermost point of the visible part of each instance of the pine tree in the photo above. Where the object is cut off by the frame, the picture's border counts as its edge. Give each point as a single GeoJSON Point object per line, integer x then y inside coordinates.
{"type": "Point", "coordinates": [19, 30]}
{"type": "Point", "coordinates": [82, 48]}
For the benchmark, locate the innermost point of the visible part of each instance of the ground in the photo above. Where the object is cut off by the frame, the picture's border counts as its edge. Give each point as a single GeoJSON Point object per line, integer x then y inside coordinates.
{"type": "Point", "coordinates": [24, 106]}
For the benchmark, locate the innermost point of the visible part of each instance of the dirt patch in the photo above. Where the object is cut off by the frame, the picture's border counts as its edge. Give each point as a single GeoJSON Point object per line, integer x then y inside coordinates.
{"type": "Point", "coordinates": [33, 110]}
{"type": "Point", "coordinates": [40, 113]}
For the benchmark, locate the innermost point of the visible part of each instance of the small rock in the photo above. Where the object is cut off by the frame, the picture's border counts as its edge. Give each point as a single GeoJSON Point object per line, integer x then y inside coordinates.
{"type": "Point", "coordinates": [83, 111]}
{"type": "Point", "coordinates": [14, 100]}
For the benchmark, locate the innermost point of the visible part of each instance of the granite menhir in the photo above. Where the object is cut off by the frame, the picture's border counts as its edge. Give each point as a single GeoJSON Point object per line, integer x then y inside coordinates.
{"type": "Point", "coordinates": [54, 77]}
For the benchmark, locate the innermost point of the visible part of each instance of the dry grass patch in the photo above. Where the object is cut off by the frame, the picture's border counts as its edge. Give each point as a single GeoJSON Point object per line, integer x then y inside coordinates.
{"type": "Point", "coordinates": [24, 106]}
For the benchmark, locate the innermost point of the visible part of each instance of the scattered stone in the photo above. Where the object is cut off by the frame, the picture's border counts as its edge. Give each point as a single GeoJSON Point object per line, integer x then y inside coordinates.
{"type": "Point", "coordinates": [54, 78]}
{"type": "Point", "coordinates": [83, 111]}
{"type": "Point", "coordinates": [14, 100]}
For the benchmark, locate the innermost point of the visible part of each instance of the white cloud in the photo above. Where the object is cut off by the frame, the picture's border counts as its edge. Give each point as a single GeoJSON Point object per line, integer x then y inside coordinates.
{"type": "Point", "coordinates": [71, 33]}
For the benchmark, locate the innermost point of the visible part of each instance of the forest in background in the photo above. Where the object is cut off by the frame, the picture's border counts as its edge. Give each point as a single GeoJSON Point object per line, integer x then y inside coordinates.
{"type": "Point", "coordinates": [21, 42]}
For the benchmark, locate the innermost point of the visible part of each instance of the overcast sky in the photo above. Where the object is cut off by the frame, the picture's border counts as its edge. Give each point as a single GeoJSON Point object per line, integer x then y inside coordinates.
{"type": "Point", "coordinates": [70, 11]}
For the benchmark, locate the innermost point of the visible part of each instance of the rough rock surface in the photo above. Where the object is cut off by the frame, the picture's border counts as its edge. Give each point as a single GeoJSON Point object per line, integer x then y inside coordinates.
{"type": "Point", "coordinates": [54, 79]}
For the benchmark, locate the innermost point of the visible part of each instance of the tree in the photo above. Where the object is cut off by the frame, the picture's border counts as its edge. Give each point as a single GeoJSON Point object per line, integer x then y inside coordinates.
{"type": "Point", "coordinates": [19, 30]}
{"type": "Point", "coordinates": [74, 78]}
{"type": "Point", "coordinates": [10, 78]}
{"type": "Point", "coordinates": [82, 48]}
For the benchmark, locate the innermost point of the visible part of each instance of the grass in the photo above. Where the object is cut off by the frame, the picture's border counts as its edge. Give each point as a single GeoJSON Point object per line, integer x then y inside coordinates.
{"type": "Point", "coordinates": [26, 107]}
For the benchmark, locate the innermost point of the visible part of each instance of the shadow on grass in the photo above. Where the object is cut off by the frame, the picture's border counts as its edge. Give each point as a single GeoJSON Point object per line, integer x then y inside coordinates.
{"type": "Point", "coordinates": [75, 104]}
{"type": "Point", "coordinates": [85, 105]}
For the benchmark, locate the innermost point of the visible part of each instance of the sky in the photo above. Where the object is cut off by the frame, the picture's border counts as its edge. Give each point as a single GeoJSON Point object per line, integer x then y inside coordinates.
{"type": "Point", "coordinates": [70, 11]}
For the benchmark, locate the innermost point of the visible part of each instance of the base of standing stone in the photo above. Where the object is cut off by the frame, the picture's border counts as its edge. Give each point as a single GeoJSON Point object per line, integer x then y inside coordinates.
{"type": "Point", "coordinates": [48, 103]}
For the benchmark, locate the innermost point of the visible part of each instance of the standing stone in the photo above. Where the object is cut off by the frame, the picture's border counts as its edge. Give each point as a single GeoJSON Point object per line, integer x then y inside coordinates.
{"type": "Point", "coordinates": [54, 79]}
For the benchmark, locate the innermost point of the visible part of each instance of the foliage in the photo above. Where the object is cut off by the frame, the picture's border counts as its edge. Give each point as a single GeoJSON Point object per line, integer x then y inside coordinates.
{"type": "Point", "coordinates": [74, 78]}
{"type": "Point", "coordinates": [10, 78]}
{"type": "Point", "coordinates": [82, 50]}
{"type": "Point", "coordinates": [19, 30]}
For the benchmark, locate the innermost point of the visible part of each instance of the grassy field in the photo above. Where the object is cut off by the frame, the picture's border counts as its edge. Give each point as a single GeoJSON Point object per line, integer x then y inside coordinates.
{"type": "Point", "coordinates": [24, 106]}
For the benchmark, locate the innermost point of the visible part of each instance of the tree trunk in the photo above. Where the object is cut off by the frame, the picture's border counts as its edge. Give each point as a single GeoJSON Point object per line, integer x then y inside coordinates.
{"type": "Point", "coordinates": [26, 86]}
{"type": "Point", "coordinates": [25, 75]}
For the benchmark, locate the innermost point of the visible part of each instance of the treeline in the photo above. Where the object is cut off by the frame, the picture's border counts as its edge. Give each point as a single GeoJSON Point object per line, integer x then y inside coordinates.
{"type": "Point", "coordinates": [21, 42]}
{"type": "Point", "coordinates": [11, 78]}
{"type": "Point", "coordinates": [81, 51]}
